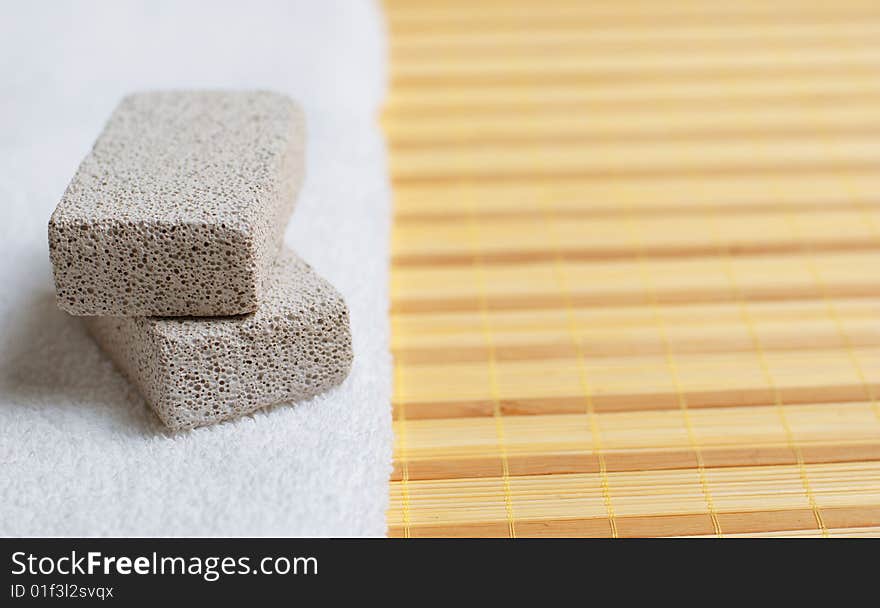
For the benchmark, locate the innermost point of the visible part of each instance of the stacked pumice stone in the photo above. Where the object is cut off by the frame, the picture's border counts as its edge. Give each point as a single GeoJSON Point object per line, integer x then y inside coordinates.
{"type": "Point", "coordinates": [169, 241]}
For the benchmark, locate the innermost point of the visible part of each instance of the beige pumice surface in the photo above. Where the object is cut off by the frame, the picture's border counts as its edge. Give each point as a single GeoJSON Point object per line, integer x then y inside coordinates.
{"type": "Point", "coordinates": [195, 372]}
{"type": "Point", "coordinates": [180, 207]}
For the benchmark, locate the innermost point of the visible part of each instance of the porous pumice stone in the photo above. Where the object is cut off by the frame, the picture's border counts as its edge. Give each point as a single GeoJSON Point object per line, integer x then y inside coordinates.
{"type": "Point", "coordinates": [197, 371]}
{"type": "Point", "coordinates": [181, 205]}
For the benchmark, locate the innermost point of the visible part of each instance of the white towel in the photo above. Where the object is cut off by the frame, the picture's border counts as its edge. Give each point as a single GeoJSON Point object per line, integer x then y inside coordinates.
{"type": "Point", "coordinates": [80, 452]}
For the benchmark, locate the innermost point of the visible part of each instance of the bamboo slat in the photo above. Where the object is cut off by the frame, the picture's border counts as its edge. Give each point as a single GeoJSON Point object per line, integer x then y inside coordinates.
{"type": "Point", "coordinates": [633, 287]}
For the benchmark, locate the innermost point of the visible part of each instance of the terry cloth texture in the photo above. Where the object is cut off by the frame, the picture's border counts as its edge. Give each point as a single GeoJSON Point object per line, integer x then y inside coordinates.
{"type": "Point", "coordinates": [80, 451]}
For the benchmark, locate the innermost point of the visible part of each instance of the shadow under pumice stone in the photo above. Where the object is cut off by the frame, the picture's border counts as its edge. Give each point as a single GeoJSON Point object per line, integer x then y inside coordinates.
{"type": "Point", "coordinates": [52, 366]}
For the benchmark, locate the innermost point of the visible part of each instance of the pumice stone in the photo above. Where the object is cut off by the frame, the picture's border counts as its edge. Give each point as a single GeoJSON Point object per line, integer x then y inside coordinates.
{"type": "Point", "coordinates": [195, 371]}
{"type": "Point", "coordinates": [181, 205]}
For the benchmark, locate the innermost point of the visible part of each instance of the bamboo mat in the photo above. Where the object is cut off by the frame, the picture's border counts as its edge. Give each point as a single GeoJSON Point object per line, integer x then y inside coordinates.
{"type": "Point", "coordinates": [635, 284]}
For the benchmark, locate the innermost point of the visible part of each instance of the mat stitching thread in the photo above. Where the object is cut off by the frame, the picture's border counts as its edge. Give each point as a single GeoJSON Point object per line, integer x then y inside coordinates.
{"type": "Point", "coordinates": [830, 306]}
{"type": "Point", "coordinates": [779, 402]}
{"type": "Point", "coordinates": [748, 320]}
{"type": "Point", "coordinates": [402, 455]}
{"type": "Point", "coordinates": [595, 432]}
{"type": "Point", "coordinates": [476, 245]}
{"type": "Point", "coordinates": [650, 292]}
{"type": "Point", "coordinates": [777, 393]}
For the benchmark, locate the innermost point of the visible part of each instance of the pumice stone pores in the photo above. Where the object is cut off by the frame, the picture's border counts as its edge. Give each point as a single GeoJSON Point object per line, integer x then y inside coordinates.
{"type": "Point", "coordinates": [180, 207]}
{"type": "Point", "coordinates": [195, 371]}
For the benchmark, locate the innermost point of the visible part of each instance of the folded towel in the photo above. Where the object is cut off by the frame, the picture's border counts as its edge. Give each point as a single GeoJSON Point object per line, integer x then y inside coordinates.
{"type": "Point", "coordinates": [80, 452]}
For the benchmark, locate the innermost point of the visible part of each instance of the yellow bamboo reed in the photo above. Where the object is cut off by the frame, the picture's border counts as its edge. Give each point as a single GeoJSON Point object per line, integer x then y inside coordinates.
{"type": "Point", "coordinates": [674, 123]}
{"type": "Point", "coordinates": [662, 194]}
{"type": "Point", "coordinates": [516, 239]}
{"type": "Point", "coordinates": [531, 68]}
{"type": "Point", "coordinates": [747, 89]}
{"type": "Point", "coordinates": [632, 38]}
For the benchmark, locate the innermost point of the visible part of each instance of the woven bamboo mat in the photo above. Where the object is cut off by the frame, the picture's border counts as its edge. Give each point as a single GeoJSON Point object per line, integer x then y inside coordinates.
{"type": "Point", "coordinates": [635, 285]}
